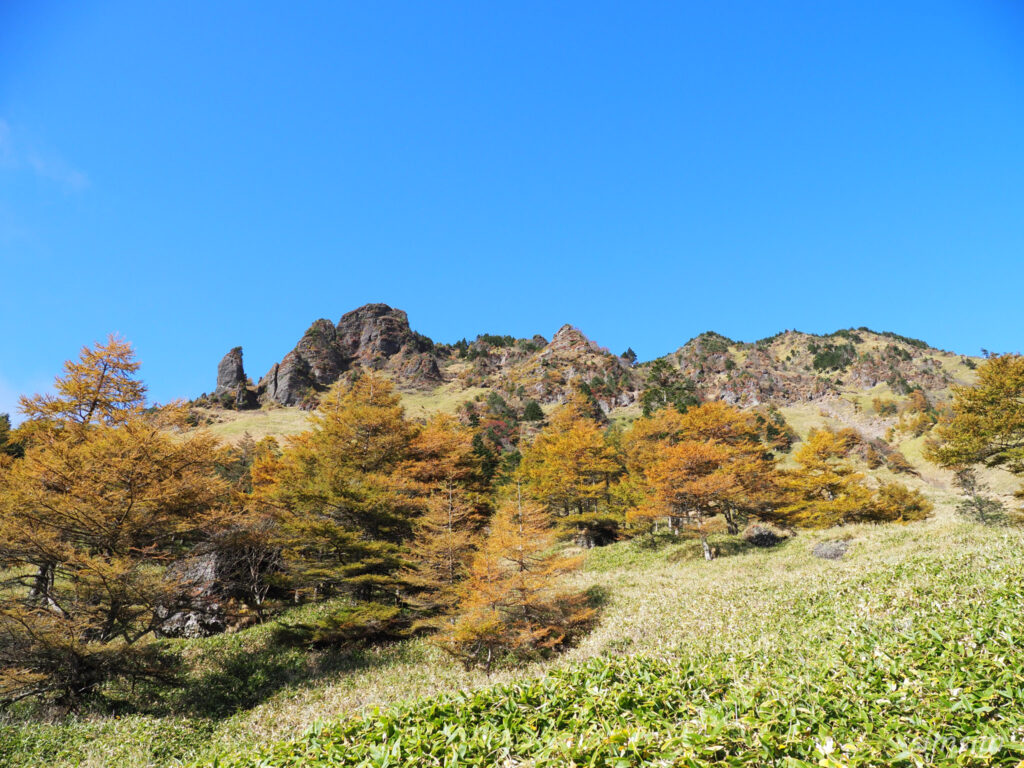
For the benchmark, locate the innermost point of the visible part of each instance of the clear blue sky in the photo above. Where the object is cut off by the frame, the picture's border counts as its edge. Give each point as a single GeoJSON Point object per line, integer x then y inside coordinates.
{"type": "Point", "coordinates": [200, 175]}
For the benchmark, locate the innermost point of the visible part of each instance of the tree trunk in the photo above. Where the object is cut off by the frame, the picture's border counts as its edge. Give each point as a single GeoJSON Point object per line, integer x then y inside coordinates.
{"type": "Point", "coordinates": [708, 553]}
{"type": "Point", "coordinates": [42, 582]}
{"type": "Point", "coordinates": [731, 524]}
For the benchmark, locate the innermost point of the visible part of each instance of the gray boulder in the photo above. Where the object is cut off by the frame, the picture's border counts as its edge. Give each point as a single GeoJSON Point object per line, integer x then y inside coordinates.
{"type": "Point", "coordinates": [830, 550]}
{"type": "Point", "coordinates": [763, 536]}
{"type": "Point", "coordinates": [198, 610]}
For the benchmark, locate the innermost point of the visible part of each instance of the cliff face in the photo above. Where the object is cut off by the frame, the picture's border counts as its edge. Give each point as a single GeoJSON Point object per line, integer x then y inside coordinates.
{"type": "Point", "coordinates": [232, 384]}
{"type": "Point", "coordinates": [375, 336]}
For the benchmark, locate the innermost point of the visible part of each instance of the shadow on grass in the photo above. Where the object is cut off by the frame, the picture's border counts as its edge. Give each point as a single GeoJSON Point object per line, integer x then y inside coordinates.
{"type": "Point", "coordinates": [597, 596]}
{"type": "Point", "coordinates": [239, 679]}
{"type": "Point", "coordinates": [228, 677]}
{"type": "Point", "coordinates": [722, 545]}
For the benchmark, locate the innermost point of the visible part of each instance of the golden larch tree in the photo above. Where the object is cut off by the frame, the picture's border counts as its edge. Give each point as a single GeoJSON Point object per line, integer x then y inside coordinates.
{"type": "Point", "coordinates": [512, 604]}
{"type": "Point", "coordinates": [569, 468]}
{"type": "Point", "coordinates": [105, 498]}
{"type": "Point", "coordinates": [343, 511]}
{"type": "Point", "coordinates": [446, 472]}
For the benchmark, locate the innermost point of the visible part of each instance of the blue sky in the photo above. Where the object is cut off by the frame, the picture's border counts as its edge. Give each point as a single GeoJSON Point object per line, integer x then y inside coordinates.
{"type": "Point", "coordinates": [197, 176]}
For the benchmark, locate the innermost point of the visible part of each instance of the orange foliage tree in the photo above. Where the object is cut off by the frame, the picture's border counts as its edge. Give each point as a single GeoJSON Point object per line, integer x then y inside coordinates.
{"type": "Point", "coordinates": [692, 466]}
{"type": "Point", "coordinates": [569, 468]}
{"type": "Point", "coordinates": [826, 490]}
{"type": "Point", "coordinates": [446, 471]}
{"type": "Point", "coordinates": [511, 604]}
{"type": "Point", "coordinates": [106, 496]}
{"type": "Point", "coordinates": [342, 513]}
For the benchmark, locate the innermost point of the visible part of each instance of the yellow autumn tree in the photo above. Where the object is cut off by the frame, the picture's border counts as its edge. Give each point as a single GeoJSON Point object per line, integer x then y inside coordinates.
{"type": "Point", "coordinates": [689, 467]}
{"type": "Point", "coordinates": [511, 604]}
{"type": "Point", "coordinates": [826, 490]}
{"type": "Point", "coordinates": [98, 388]}
{"type": "Point", "coordinates": [446, 471]}
{"type": "Point", "coordinates": [342, 509]}
{"type": "Point", "coordinates": [691, 482]}
{"type": "Point", "coordinates": [987, 423]}
{"type": "Point", "coordinates": [569, 468]}
{"type": "Point", "coordinates": [341, 512]}
{"type": "Point", "coordinates": [106, 497]}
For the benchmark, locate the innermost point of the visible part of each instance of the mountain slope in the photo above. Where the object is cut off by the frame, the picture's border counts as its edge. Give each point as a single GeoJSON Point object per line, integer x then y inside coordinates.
{"type": "Point", "coordinates": [910, 636]}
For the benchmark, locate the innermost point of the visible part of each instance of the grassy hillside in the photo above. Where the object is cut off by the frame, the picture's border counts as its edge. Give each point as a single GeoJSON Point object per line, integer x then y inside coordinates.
{"type": "Point", "coordinates": [907, 645]}
{"type": "Point", "coordinates": [281, 421]}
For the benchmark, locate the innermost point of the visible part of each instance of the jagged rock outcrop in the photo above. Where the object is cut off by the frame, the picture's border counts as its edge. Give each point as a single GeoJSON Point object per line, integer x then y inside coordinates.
{"type": "Point", "coordinates": [786, 369]}
{"type": "Point", "coordinates": [570, 359]}
{"type": "Point", "coordinates": [232, 384]}
{"type": "Point", "coordinates": [374, 336]}
{"type": "Point", "coordinates": [230, 373]}
{"type": "Point", "coordinates": [375, 332]}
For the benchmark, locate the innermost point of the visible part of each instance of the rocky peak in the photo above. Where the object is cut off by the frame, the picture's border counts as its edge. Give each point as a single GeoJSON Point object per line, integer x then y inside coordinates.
{"type": "Point", "coordinates": [232, 382]}
{"type": "Point", "coordinates": [571, 339]}
{"type": "Point", "coordinates": [374, 331]}
{"type": "Point", "coordinates": [230, 373]}
{"type": "Point", "coordinates": [373, 336]}
{"type": "Point", "coordinates": [792, 367]}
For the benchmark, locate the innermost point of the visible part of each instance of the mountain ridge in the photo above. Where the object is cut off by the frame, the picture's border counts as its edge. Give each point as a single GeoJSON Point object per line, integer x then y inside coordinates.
{"type": "Point", "coordinates": [786, 368]}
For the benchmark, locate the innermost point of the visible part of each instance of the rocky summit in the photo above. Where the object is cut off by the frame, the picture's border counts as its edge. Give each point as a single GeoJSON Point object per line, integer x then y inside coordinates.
{"type": "Point", "coordinates": [374, 336]}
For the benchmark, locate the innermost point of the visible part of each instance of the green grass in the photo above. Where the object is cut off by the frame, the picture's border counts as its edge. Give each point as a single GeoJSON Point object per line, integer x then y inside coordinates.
{"type": "Point", "coordinates": [281, 421]}
{"type": "Point", "coordinates": [905, 654]}
{"type": "Point", "coordinates": [756, 655]}
{"type": "Point", "coordinates": [232, 425]}
{"type": "Point", "coordinates": [443, 399]}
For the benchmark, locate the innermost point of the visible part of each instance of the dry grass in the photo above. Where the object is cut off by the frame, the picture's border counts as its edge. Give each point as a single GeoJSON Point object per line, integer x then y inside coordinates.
{"type": "Point", "coordinates": [230, 426]}
{"type": "Point", "coordinates": [444, 399]}
{"type": "Point", "coordinates": [279, 421]}
{"type": "Point", "coordinates": [662, 600]}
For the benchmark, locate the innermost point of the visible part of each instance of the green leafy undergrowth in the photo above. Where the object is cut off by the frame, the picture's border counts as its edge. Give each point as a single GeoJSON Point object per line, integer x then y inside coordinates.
{"type": "Point", "coordinates": [938, 686]}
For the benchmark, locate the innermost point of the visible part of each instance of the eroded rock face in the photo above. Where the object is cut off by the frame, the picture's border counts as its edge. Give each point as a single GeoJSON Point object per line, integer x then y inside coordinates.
{"type": "Point", "coordinates": [288, 381]}
{"type": "Point", "coordinates": [420, 369]}
{"type": "Point", "coordinates": [373, 332]}
{"type": "Point", "coordinates": [230, 373]}
{"type": "Point", "coordinates": [374, 336]}
{"type": "Point", "coordinates": [199, 612]}
{"type": "Point", "coordinates": [232, 384]}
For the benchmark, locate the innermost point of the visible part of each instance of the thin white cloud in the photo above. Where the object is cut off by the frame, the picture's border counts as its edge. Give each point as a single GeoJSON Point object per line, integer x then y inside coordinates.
{"type": "Point", "coordinates": [19, 153]}
{"type": "Point", "coordinates": [55, 169]}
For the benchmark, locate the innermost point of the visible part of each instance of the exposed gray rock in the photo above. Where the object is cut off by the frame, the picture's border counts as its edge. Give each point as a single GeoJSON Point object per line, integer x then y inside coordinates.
{"type": "Point", "coordinates": [830, 550]}
{"type": "Point", "coordinates": [192, 623]}
{"type": "Point", "coordinates": [198, 611]}
{"type": "Point", "coordinates": [374, 336]}
{"type": "Point", "coordinates": [420, 369]}
{"type": "Point", "coordinates": [287, 382]}
{"type": "Point", "coordinates": [373, 331]}
{"type": "Point", "coordinates": [763, 536]}
{"type": "Point", "coordinates": [230, 373]}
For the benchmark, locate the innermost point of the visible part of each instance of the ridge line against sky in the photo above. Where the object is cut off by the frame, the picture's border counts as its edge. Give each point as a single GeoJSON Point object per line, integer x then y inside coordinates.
{"type": "Point", "coordinates": [197, 178]}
